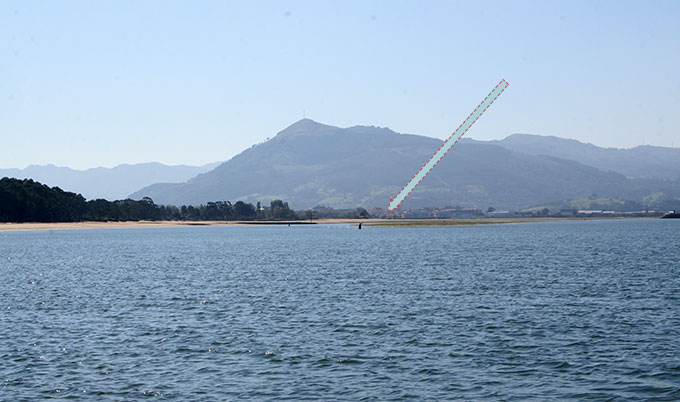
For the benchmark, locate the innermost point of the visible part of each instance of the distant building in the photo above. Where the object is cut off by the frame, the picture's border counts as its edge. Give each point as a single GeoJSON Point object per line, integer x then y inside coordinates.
{"type": "Point", "coordinates": [501, 214]}
{"type": "Point", "coordinates": [415, 214]}
{"type": "Point", "coordinates": [595, 212]}
{"type": "Point", "coordinates": [567, 212]}
{"type": "Point", "coordinates": [524, 214]}
{"type": "Point", "coordinates": [460, 213]}
{"type": "Point", "coordinates": [376, 211]}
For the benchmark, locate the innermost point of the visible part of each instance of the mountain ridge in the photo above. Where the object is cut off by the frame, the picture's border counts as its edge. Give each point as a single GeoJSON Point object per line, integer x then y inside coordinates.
{"type": "Point", "coordinates": [643, 161]}
{"type": "Point", "coordinates": [109, 183]}
{"type": "Point", "coordinates": [310, 163]}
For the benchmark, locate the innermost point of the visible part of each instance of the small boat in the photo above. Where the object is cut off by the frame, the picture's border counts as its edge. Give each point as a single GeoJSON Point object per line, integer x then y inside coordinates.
{"type": "Point", "coordinates": [671, 215]}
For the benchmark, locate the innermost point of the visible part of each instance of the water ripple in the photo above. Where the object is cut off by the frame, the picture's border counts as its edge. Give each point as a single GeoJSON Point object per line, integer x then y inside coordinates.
{"type": "Point", "coordinates": [549, 311]}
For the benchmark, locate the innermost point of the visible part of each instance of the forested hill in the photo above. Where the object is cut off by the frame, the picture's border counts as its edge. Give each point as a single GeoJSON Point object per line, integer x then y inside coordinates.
{"type": "Point", "coordinates": [312, 164]}
{"type": "Point", "coordinates": [30, 201]}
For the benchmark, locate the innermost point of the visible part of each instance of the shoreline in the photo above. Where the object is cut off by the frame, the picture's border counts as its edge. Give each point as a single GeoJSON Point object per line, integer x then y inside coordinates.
{"type": "Point", "coordinates": [322, 221]}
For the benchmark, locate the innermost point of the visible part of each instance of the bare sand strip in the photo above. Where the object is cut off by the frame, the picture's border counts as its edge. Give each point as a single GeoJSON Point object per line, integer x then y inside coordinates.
{"type": "Point", "coordinates": [486, 221]}
{"type": "Point", "coordinates": [101, 225]}
{"type": "Point", "coordinates": [366, 222]}
{"type": "Point", "coordinates": [141, 224]}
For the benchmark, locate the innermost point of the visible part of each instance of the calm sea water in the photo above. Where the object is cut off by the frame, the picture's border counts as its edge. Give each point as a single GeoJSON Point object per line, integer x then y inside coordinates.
{"type": "Point", "coordinates": [539, 311]}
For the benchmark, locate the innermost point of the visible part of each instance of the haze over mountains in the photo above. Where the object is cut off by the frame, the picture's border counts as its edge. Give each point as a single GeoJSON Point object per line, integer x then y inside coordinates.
{"type": "Point", "coordinates": [641, 161]}
{"type": "Point", "coordinates": [109, 183]}
{"type": "Point", "coordinates": [309, 164]}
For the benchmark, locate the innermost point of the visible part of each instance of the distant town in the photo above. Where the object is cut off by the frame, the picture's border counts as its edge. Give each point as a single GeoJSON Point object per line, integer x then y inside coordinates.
{"type": "Point", "coordinates": [468, 213]}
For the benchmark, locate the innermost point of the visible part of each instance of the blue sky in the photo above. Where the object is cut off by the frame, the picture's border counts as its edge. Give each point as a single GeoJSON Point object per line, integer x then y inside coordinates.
{"type": "Point", "coordinates": [88, 84]}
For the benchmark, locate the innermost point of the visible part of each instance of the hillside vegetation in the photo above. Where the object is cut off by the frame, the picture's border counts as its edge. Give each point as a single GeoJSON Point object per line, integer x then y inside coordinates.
{"type": "Point", "coordinates": [312, 164]}
{"type": "Point", "coordinates": [30, 201]}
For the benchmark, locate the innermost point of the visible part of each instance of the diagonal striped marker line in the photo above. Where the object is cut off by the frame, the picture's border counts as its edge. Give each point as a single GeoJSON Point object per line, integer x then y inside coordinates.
{"type": "Point", "coordinates": [396, 201]}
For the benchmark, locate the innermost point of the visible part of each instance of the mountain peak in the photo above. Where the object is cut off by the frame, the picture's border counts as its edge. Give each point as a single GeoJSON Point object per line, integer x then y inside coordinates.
{"type": "Point", "coordinates": [310, 163]}
{"type": "Point", "coordinates": [306, 127]}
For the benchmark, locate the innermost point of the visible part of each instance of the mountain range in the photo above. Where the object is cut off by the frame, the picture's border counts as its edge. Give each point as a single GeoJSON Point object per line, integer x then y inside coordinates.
{"type": "Point", "coordinates": [108, 183]}
{"type": "Point", "coordinates": [641, 161]}
{"type": "Point", "coordinates": [310, 163]}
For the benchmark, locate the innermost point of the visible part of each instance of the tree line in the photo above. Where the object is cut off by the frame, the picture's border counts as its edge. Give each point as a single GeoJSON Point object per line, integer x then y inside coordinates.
{"type": "Point", "coordinates": [29, 201]}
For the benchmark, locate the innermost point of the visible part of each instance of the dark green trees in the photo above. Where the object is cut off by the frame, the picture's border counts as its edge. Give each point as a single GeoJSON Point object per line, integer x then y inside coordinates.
{"type": "Point", "coordinates": [243, 210]}
{"type": "Point", "coordinates": [29, 201]}
{"type": "Point", "coordinates": [280, 210]}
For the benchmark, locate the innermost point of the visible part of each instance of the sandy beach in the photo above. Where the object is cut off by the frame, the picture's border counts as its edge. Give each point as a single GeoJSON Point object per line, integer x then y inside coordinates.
{"type": "Point", "coordinates": [142, 224]}
{"type": "Point", "coordinates": [366, 222]}
{"type": "Point", "coordinates": [98, 225]}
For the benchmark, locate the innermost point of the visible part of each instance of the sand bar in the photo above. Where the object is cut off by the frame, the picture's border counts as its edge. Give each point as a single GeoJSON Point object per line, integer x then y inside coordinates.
{"type": "Point", "coordinates": [366, 222]}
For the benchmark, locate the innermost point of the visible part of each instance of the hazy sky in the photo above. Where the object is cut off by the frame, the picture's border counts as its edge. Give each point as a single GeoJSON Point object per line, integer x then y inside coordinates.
{"type": "Point", "coordinates": [87, 84]}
